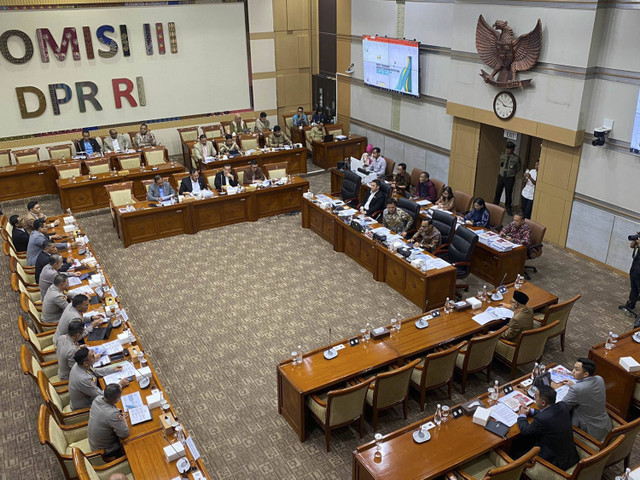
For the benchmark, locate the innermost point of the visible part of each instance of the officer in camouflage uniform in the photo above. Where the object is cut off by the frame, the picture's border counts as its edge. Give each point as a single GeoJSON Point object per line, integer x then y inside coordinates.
{"type": "Point", "coordinates": [395, 218]}
{"type": "Point", "coordinates": [510, 165]}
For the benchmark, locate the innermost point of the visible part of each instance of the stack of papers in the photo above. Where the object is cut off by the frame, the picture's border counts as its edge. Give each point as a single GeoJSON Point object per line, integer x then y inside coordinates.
{"type": "Point", "coordinates": [84, 289]}
{"type": "Point", "coordinates": [514, 399]}
{"type": "Point", "coordinates": [501, 244]}
{"type": "Point", "coordinates": [348, 212]}
{"type": "Point", "coordinates": [74, 281]}
{"type": "Point", "coordinates": [131, 401]}
{"type": "Point", "coordinates": [561, 393]}
{"type": "Point", "coordinates": [434, 263]}
{"type": "Point", "coordinates": [559, 374]}
{"type": "Point", "coordinates": [128, 370]}
{"type": "Point", "coordinates": [504, 414]}
{"type": "Point", "coordinates": [491, 314]}
{"type": "Point", "coordinates": [486, 237]}
{"type": "Point", "coordinates": [209, 159]}
{"type": "Point", "coordinates": [423, 202]}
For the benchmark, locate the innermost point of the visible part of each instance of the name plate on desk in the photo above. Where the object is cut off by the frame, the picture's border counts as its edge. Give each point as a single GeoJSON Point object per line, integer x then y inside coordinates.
{"type": "Point", "coordinates": [380, 332]}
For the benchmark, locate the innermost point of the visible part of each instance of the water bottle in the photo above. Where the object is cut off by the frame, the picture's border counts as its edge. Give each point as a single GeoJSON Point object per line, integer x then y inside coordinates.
{"type": "Point", "coordinates": [484, 293]}
{"type": "Point", "coordinates": [446, 306]}
{"type": "Point", "coordinates": [367, 331]}
{"type": "Point", "coordinates": [534, 372]}
{"type": "Point", "coordinates": [496, 391]}
{"type": "Point", "coordinates": [398, 322]}
{"type": "Point", "coordinates": [625, 476]}
{"type": "Point", "coordinates": [437, 418]}
{"type": "Point", "coordinates": [299, 360]}
{"type": "Point", "coordinates": [180, 434]}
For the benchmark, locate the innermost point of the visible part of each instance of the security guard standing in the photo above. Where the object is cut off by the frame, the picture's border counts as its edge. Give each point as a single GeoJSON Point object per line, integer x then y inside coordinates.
{"type": "Point", "coordinates": [510, 165]}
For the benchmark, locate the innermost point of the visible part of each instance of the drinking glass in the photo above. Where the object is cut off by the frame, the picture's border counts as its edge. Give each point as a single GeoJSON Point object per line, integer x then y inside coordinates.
{"type": "Point", "coordinates": [495, 394]}
{"type": "Point", "coordinates": [378, 438]}
{"type": "Point", "coordinates": [452, 305]}
{"type": "Point", "coordinates": [393, 325]}
{"type": "Point", "coordinates": [423, 430]}
{"type": "Point", "coordinates": [398, 325]}
{"type": "Point", "coordinates": [445, 414]}
{"type": "Point", "coordinates": [614, 339]}
{"type": "Point", "coordinates": [363, 332]}
{"type": "Point", "coordinates": [491, 392]}
{"type": "Point", "coordinates": [446, 307]}
{"type": "Point", "coordinates": [294, 358]}
{"type": "Point", "coordinates": [480, 296]}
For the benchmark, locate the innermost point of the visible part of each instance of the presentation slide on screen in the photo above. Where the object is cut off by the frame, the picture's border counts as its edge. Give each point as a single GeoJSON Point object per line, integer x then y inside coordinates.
{"type": "Point", "coordinates": [70, 68]}
{"type": "Point", "coordinates": [635, 136]}
{"type": "Point", "coordinates": [391, 63]}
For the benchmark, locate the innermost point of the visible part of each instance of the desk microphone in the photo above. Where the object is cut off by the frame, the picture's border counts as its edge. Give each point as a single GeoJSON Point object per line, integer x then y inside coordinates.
{"type": "Point", "coordinates": [502, 281]}
{"type": "Point", "coordinates": [330, 352]}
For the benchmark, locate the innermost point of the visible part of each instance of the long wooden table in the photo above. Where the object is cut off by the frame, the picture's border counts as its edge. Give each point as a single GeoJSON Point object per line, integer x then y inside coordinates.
{"type": "Point", "coordinates": [145, 442]}
{"type": "Point", "coordinates": [191, 216]}
{"type": "Point", "coordinates": [315, 374]}
{"type": "Point", "coordinates": [296, 159]}
{"type": "Point", "coordinates": [620, 384]}
{"type": "Point", "coordinates": [487, 263]}
{"type": "Point", "coordinates": [87, 192]}
{"type": "Point", "coordinates": [328, 154]}
{"type": "Point", "coordinates": [452, 444]}
{"type": "Point", "coordinates": [416, 285]}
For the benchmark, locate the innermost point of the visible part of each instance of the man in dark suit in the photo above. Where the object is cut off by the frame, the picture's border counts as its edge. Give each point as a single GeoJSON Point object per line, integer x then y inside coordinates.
{"type": "Point", "coordinates": [19, 235]}
{"type": "Point", "coordinates": [193, 184]}
{"type": "Point", "coordinates": [48, 249]}
{"type": "Point", "coordinates": [374, 201]}
{"type": "Point", "coordinates": [87, 145]}
{"type": "Point", "coordinates": [226, 177]}
{"type": "Point", "coordinates": [551, 430]}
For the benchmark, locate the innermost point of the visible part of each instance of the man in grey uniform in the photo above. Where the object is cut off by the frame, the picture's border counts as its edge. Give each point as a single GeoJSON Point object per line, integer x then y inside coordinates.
{"type": "Point", "coordinates": [75, 311]}
{"type": "Point", "coordinates": [510, 165]}
{"type": "Point", "coordinates": [587, 399]}
{"type": "Point", "coordinates": [55, 300]}
{"type": "Point", "coordinates": [107, 425]}
{"type": "Point", "coordinates": [83, 379]}
{"type": "Point", "coordinates": [66, 348]}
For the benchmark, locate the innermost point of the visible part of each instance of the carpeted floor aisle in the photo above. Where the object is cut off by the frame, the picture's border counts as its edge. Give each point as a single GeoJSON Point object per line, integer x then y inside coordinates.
{"type": "Point", "coordinates": [216, 311]}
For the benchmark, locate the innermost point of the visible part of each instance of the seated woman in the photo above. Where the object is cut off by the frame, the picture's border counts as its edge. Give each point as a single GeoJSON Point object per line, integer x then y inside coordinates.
{"type": "Point", "coordinates": [427, 236]}
{"type": "Point", "coordinates": [367, 156]}
{"type": "Point", "coordinates": [479, 215]}
{"type": "Point", "coordinates": [447, 201]}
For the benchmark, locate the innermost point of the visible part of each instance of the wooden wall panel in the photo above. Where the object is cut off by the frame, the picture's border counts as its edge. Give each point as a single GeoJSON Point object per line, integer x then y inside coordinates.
{"type": "Point", "coordinates": [465, 137]}
{"type": "Point", "coordinates": [298, 14]}
{"type": "Point", "coordinates": [280, 15]}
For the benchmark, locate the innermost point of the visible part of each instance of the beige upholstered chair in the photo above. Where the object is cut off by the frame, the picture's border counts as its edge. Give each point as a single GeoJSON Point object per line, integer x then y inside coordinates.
{"type": "Point", "coordinates": [391, 165]}
{"type": "Point", "coordinates": [463, 201]}
{"type": "Point", "coordinates": [620, 427]}
{"type": "Point", "coordinates": [128, 161]}
{"type": "Point", "coordinates": [33, 293]}
{"type": "Point", "coordinates": [120, 193]}
{"type": "Point", "coordinates": [210, 176]}
{"type": "Point", "coordinates": [98, 166]}
{"type": "Point", "coordinates": [58, 152]}
{"type": "Point", "coordinates": [29, 308]}
{"type": "Point", "coordinates": [339, 408]}
{"type": "Point", "coordinates": [63, 438]}
{"type": "Point", "coordinates": [288, 124]}
{"type": "Point", "coordinates": [390, 389]}
{"type": "Point", "coordinates": [250, 124]}
{"type": "Point", "coordinates": [5, 158]}
{"type": "Point", "coordinates": [249, 141]}
{"type": "Point", "coordinates": [20, 257]}
{"type": "Point", "coordinates": [188, 134]}
{"type": "Point", "coordinates": [27, 155]}
{"type": "Point", "coordinates": [590, 467]}
{"type": "Point", "coordinates": [437, 184]}
{"type": "Point", "coordinates": [218, 142]}
{"type": "Point", "coordinates": [177, 179]}
{"type": "Point", "coordinates": [68, 170]}
{"type": "Point", "coordinates": [528, 348]}
{"type": "Point", "coordinates": [496, 216]}
{"type": "Point", "coordinates": [496, 465]}
{"type": "Point", "coordinates": [276, 170]}
{"type": "Point", "coordinates": [41, 343]}
{"type": "Point", "coordinates": [334, 129]}
{"type": "Point", "coordinates": [26, 273]}
{"type": "Point", "coordinates": [559, 312]}
{"type": "Point", "coordinates": [478, 355]}
{"type": "Point", "coordinates": [435, 371]}
{"type": "Point", "coordinates": [307, 139]}
{"type": "Point", "coordinates": [154, 156]}
{"type": "Point", "coordinates": [58, 402]}
{"type": "Point", "coordinates": [211, 131]}
{"type": "Point", "coordinates": [30, 366]}
{"type": "Point", "coordinates": [87, 471]}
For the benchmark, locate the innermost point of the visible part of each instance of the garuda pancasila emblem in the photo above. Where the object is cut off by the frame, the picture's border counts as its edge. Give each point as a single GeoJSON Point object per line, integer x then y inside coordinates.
{"type": "Point", "coordinates": [506, 54]}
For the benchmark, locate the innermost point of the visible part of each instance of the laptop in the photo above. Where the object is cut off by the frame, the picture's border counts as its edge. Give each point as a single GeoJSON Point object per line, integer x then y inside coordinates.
{"type": "Point", "coordinates": [328, 138]}
{"type": "Point", "coordinates": [101, 333]}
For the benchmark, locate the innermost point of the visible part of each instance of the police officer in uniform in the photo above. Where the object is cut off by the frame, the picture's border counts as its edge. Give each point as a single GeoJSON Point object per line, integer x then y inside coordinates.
{"type": "Point", "coordinates": [510, 165]}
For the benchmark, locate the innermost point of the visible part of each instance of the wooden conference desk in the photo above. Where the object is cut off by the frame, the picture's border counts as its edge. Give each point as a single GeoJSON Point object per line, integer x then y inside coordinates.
{"type": "Point", "coordinates": [417, 286]}
{"type": "Point", "coordinates": [620, 384]}
{"type": "Point", "coordinates": [328, 154]}
{"type": "Point", "coordinates": [149, 223]}
{"type": "Point", "coordinates": [87, 193]}
{"type": "Point", "coordinates": [145, 442]}
{"type": "Point", "coordinates": [452, 444]}
{"type": "Point", "coordinates": [486, 262]}
{"type": "Point", "coordinates": [316, 374]}
{"type": "Point", "coordinates": [296, 159]}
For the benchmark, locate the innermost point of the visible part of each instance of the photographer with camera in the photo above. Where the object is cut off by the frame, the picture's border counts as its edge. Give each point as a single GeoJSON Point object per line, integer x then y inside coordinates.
{"type": "Point", "coordinates": [634, 275]}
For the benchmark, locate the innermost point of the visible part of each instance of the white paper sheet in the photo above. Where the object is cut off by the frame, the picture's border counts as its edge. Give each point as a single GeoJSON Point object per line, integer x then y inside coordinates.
{"type": "Point", "coordinates": [133, 400]}
{"type": "Point", "coordinates": [504, 414]}
{"type": "Point", "coordinates": [139, 415]}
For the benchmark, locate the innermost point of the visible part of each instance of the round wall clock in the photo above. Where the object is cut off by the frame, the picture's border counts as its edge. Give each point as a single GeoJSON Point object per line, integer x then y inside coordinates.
{"type": "Point", "coordinates": [504, 105]}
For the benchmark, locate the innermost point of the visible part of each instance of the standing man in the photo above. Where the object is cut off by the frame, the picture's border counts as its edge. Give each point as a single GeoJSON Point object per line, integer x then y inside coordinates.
{"type": "Point", "coordinates": [88, 146]}
{"type": "Point", "coordinates": [634, 277]}
{"type": "Point", "coordinates": [510, 165]}
{"type": "Point", "coordinates": [530, 178]}
{"type": "Point", "coordinates": [144, 138]}
{"type": "Point", "coordinates": [107, 425]}
{"type": "Point", "coordinates": [587, 399]}
{"type": "Point", "coordinates": [115, 142]}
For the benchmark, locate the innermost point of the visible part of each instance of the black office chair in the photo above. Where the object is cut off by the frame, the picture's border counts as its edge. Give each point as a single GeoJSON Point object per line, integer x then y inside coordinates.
{"type": "Point", "coordinates": [350, 188]}
{"type": "Point", "coordinates": [386, 188]}
{"type": "Point", "coordinates": [446, 225]}
{"type": "Point", "coordinates": [413, 209]}
{"type": "Point", "coordinates": [459, 253]}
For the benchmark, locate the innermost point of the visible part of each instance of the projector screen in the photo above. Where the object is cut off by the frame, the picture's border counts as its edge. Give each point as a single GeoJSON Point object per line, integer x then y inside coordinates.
{"type": "Point", "coordinates": [392, 64]}
{"type": "Point", "coordinates": [635, 136]}
{"type": "Point", "coordinates": [90, 67]}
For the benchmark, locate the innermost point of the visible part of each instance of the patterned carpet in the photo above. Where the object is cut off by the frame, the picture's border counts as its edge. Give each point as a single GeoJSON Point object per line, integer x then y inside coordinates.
{"type": "Point", "coordinates": [216, 311]}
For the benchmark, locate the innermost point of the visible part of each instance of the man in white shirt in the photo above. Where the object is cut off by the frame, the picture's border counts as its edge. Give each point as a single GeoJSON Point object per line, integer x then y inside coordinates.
{"type": "Point", "coordinates": [378, 163]}
{"type": "Point", "coordinates": [115, 142]}
{"type": "Point", "coordinates": [530, 177]}
{"type": "Point", "coordinates": [374, 200]}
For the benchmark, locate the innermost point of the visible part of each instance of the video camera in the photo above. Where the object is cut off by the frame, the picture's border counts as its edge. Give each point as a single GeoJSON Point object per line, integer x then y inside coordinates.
{"type": "Point", "coordinates": [634, 238]}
